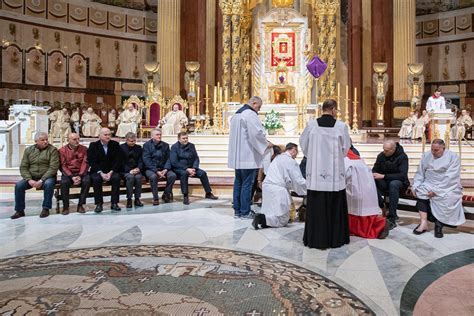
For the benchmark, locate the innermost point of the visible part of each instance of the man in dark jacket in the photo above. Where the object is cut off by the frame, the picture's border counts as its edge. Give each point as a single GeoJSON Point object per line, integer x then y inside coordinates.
{"type": "Point", "coordinates": [156, 158]}
{"type": "Point", "coordinates": [391, 176]}
{"type": "Point", "coordinates": [185, 163]}
{"type": "Point", "coordinates": [106, 161]}
{"type": "Point", "coordinates": [132, 168]}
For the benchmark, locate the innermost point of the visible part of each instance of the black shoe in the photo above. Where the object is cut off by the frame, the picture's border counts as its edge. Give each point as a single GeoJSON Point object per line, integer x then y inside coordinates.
{"type": "Point", "coordinates": [98, 208]}
{"type": "Point", "coordinates": [129, 203]}
{"type": "Point", "coordinates": [256, 221]}
{"type": "Point", "coordinates": [384, 233]}
{"type": "Point", "coordinates": [115, 207]}
{"type": "Point", "coordinates": [417, 232]}
{"type": "Point", "coordinates": [18, 214]}
{"type": "Point", "coordinates": [186, 200]}
{"type": "Point", "coordinates": [166, 197]}
{"type": "Point", "coordinates": [211, 196]}
{"type": "Point", "coordinates": [156, 202]}
{"type": "Point", "coordinates": [391, 224]}
{"type": "Point", "coordinates": [138, 203]}
{"type": "Point", "coordinates": [44, 213]}
{"type": "Point", "coordinates": [438, 233]}
{"type": "Point", "coordinates": [263, 221]}
{"type": "Point", "coordinates": [65, 211]}
{"type": "Point", "coordinates": [80, 209]}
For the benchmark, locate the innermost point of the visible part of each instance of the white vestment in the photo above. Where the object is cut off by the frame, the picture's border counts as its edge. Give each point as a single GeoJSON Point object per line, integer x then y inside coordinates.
{"type": "Point", "coordinates": [76, 121]}
{"type": "Point", "coordinates": [419, 128]}
{"type": "Point", "coordinates": [407, 128]}
{"type": "Point", "coordinates": [325, 149]}
{"type": "Point", "coordinates": [60, 124]}
{"type": "Point", "coordinates": [128, 122]}
{"type": "Point", "coordinates": [443, 177]}
{"type": "Point", "coordinates": [90, 124]}
{"type": "Point", "coordinates": [459, 129]}
{"type": "Point", "coordinates": [283, 175]}
{"type": "Point", "coordinates": [173, 122]}
{"type": "Point", "coordinates": [435, 104]}
{"type": "Point", "coordinates": [247, 141]}
{"type": "Point", "coordinates": [360, 190]}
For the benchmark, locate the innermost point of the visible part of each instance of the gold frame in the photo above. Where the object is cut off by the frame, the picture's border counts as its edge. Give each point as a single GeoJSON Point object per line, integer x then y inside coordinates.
{"type": "Point", "coordinates": [147, 107]}
{"type": "Point", "coordinates": [176, 99]}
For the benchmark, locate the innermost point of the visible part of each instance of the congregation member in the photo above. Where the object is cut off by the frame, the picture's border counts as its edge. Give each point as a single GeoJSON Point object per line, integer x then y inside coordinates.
{"type": "Point", "coordinates": [283, 175]}
{"type": "Point", "coordinates": [364, 211]}
{"type": "Point", "coordinates": [38, 169]}
{"type": "Point", "coordinates": [247, 146]}
{"type": "Point", "coordinates": [105, 158]}
{"type": "Point", "coordinates": [132, 169]}
{"type": "Point", "coordinates": [325, 142]}
{"type": "Point", "coordinates": [438, 190]}
{"type": "Point", "coordinates": [185, 163]}
{"type": "Point", "coordinates": [156, 159]}
{"type": "Point", "coordinates": [174, 120]}
{"type": "Point", "coordinates": [436, 102]}
{"type": "Point", "coordinates": [390, 172]}
{"type": "Point", "coordinates": [74, 169]}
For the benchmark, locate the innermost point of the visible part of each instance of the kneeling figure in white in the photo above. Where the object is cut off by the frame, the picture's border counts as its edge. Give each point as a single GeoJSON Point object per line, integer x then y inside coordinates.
{"type": "Point", "coordinates": [283, 175]}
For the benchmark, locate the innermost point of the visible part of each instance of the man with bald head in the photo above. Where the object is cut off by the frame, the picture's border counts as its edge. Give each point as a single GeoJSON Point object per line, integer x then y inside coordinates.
{"type": "Point", "coordinates": [74, 169]}
{"type": "Point", "coordinates": [106, 161]}
{"type": "Point", "coordinates": [391, 176]}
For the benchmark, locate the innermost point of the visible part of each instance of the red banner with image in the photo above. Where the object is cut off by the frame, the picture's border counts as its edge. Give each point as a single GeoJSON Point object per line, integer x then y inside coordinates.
{"type": "Point", "coordinates": [283, 48]}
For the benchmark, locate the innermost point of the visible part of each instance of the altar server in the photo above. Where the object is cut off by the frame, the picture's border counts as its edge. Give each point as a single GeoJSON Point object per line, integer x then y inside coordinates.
{"type": "Point", "coordinates": [325, 142]}
{"type": "Point", "coordinates": [282, 176]}
{"type": "Point", "coordinates": [247, 145]}
{"type": "Point", "coordinates": [437, 186]}
{"type": "Point", "coordinates": [436, 102]}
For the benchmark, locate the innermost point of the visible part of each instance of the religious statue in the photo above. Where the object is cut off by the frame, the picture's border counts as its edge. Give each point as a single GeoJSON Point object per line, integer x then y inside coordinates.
{"type": "Point", "coordinates": [60, 125]}
{"type": "Point", "coordinates": [416, 82]}
{"type": "Point", "coordinates": [174, 121]}
{"type": "Point", "coordinates": [380, 80]}
{"type": "Point", "coordinates": [112, 118]}
{"type": "Point", "coordinates": [128, 120]}
{"type": "Point", "coordinates": [90, 123]}
{"type": "Point", "coordinates": [76, 120]}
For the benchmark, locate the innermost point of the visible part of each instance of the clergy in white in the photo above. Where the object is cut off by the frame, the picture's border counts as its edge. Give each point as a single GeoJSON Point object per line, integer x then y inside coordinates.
{"type": "Point", "coordinates": [407, 126]}
{"type": "Point", "coordinates": [437, 186]}
{"type": "Point", "coordinates": [283, 175]}
{"type": "Point", "coordinates": [247, 146]}
{"type": "Point", "coordinates": [436, 102]}
{"type": "Point", "coordinates": [128, 121]}
{"type": "Point", "coordinates": [174, 121]}
{"type": "Point", "coordinates": [325, 142]}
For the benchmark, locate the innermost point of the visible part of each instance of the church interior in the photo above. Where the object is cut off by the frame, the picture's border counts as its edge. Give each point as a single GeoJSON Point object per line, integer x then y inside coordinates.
{"type": "Point", "coordinates": [79, 66]}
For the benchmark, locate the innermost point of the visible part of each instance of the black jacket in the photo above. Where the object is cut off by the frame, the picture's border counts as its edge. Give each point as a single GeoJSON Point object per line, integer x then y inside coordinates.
{"type": "Point", "coordinates": [394, 167]}
{"type": "Point", "coordinates": [156, 157]}
{"type": "Point", "coordinates": [132, 157]}
{"type": "Point", "coordinates": [99, 161]}
{"type": "Point", "coordinates": [183, 157]}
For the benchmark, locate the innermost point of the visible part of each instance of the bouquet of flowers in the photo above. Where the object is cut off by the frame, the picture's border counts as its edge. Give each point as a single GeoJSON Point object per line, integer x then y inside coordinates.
{"type": "Point", "coordinates": [272, 121]}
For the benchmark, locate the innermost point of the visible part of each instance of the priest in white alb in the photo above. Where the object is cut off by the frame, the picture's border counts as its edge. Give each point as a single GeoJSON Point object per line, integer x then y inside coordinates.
{"type": "Point", "coordinates": [283, 175]}
{"type": "Point", "coordinates": [436, 102]}
{"type": "Point", "coordinates": [407, 126]}
{"type": "Point", "coordinates": [128, 121]}
{"type": "Point", "coordinates": [174, 121]}
{"type": "Point", "coordinates": [90, 123]}
{"type": "Point", "coordinates": [438, 190]}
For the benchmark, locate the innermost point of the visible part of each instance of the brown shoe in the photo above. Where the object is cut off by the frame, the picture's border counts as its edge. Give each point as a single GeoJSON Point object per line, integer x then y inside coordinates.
{"type": "Point", "coordinates": [18, 214]}
{"type": "Point", "coordinates": [80, 209]}
{"type": "Point", "coordinates": [65, 211]}
{"type": "Point", "coordinates": [156, 202]}
{"type": "Point", "coordinates": [44, 213]}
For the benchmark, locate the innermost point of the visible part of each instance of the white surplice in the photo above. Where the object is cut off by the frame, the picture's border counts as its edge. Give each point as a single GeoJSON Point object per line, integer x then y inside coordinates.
{"type": "Point", "coordinates": [90, 124]}
{"type": "Point", "coordinates": [325, 149]}
{"type": "Point", "coordinates": [128, 122]}
{"type": "Point", "coordinates": [435, 104]}
{"type": "Point", "coordinates": [173, 122]}
{"type": "Point", "coordinates": [247, 141]}
{"type": "Point", "coordinates": [283, 175]}
{"type": "Point", "coordinates": [419, 128]}
{"type": "Point", "coordinates": [443, 177]}
{"type": "Point", "coordinates": [407, 127]}
{"type": "Point", "coordinates": [360, 190]}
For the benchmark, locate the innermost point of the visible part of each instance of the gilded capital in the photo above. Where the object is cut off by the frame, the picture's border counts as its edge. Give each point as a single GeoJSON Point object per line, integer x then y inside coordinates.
{"type": "Point", "coordinates": [237, 7]}
{"type": "Point", "coordinates": [226, 6]}
{"type": "Point", "coordinates": [325, 7]}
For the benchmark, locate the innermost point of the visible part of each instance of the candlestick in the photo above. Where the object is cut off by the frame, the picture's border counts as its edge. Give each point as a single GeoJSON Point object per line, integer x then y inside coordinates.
{"type": "Point", "coordinates": [355, 127]}
{"type": "Point", "coordinates": [346, 117]}
{"type": "Point", "coordinates": [198, 111]}
{"type": "Point", "coordinates": [215, 94]}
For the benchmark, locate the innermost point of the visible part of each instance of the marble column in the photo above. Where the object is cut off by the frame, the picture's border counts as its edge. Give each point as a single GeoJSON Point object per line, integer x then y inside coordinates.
{"type": "Point", "coordinates": [168, 45]}
{"type": "Point", "coordinates": [404, 14]}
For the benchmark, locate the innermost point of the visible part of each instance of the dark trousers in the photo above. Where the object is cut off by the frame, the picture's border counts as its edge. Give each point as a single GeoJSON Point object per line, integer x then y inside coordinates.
{"type": "Point", "coordinates": [97, 185]}
{"type": "Point", "coordinates": [183, 180]}
{"type": "Point", "coordinates": [392, 187]}
{"type": "Point", "coordinates": [242, 195]}
{"type": "Point", "coordinates": [153, 178]}
{"type": "Point", "coordinates": [21, 187]}
{"type": "Point", "coordinates": [66, 182]}
{"type": "Point", "coordinates": [133, 181]}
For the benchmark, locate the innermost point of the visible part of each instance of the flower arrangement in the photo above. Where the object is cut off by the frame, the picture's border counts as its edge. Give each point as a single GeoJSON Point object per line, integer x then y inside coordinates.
{"type": "Point", "coordinates": [272, 121]}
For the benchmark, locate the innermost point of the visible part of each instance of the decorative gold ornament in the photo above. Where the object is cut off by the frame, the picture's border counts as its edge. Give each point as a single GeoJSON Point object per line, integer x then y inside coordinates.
{"type": "Point", "coordinates": [58, 65]}
{"type": "Point", "coordinates": [98, 67]}
{"type": "Point", "coordinates": [428, 70]}
{"type": "Point", "coordinates": [380, 81]}
{"type": "Point", "coordinates": [118, 71]}
{"type": "Point", "coordinates": [445, 63]}
{"type": "Point", "coordinates": [57, 39]}
{"type": "Point", "coordinates": [282, 3]}
{"type": "Point", "coordinates": [14, 59]}
{"type": "Point", "coordinates": [79, 66]}
{"type": "Point", "coordinates": [462, 72]}
{"type": "Point", "coordinates": [416, 82]}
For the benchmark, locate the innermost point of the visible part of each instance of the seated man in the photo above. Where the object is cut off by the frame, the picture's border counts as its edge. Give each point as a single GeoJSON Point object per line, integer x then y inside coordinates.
{"type": "Point", "coordinates": [74, 168]}
{"type": "Point", "coordinates": [282, 176]}
{"type": "Point", "coordinates": [128, 121]}
{"type": "Point", "coordinates": [156, 158]}
{"type": "Point", "coordinates": [106, 160]}
{"type": "Point", "coordinates": [38, 169]}
{"type": "Point", "coordinates": [390, 172]}
{"type": "Point", "coordinates": [133, 166]}
{"type": "Point", "coordinates": [90, 122]}
{"type": "Point", "coordinates": [185, 163]}
{"type": "Point", "coordinates": [407, 126]}
{"type": "Point", "coordinates": [438, 190]}
{"type": "Point", "coordinates": [174, 121]}
{"type": "Point", "coordinates": [462, 124]}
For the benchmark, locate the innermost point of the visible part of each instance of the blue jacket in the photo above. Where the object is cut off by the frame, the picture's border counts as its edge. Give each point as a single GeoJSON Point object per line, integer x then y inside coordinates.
{"type": "Point", "coordinates": [183, 157]}
{"type": "Point", "coordinates": [156, 157]}
{"type": "Point", "coordinates": [132, 157]}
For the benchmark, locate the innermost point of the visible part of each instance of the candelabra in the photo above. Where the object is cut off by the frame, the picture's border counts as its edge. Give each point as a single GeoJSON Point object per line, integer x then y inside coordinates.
{"type": "Point", "coordinates": [207, 123]}
{"type": "Point", "coordinates": [355, 127]}
{"type": "Point", "coordinates": [346, 116]}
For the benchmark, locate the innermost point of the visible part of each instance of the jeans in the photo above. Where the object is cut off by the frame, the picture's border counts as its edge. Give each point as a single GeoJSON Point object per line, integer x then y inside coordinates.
{"type": "Point", "coordinates": [132, 181]}
{"type": "Point", "coordinates": [183, 180]}
{"type": "Point", "coordinates": [48, 192]}
{"type": "Point", "coordinates": [242, 196]}
{"type": "Point", "coordinates": [153, 177]}
{"type": "Point", "coordinates": [66, 182]}
{"type": "Point", "coordinates": [97, 185]}
{"type": "Point", "coordinates": [393, 188]}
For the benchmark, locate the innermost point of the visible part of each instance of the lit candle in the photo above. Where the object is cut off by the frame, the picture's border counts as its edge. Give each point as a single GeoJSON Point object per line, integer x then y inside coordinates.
{"type": "Point", "coordinates": [226, 95]}
{"type": "Point", "coordinates": [338, 90]}
{"type": "Point", "coordinates": [355, 94]}
{"type": "Point", "coordinates": [207, 90]}
{"type": "Point", "coordinates": [197, 97]}
{"type": "Point", "coordinates": [215, 94]}
{"type": "Point", "coordinates": [347, 93]}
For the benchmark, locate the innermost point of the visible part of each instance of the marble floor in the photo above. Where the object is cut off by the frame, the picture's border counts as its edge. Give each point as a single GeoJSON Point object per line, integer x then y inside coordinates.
{"type": "Point", "coordinates": [376, 271]}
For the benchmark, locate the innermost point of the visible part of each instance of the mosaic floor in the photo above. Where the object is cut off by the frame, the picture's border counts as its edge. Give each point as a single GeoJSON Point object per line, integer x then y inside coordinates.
{"type": "Point", "coordinates": [385, 277]}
